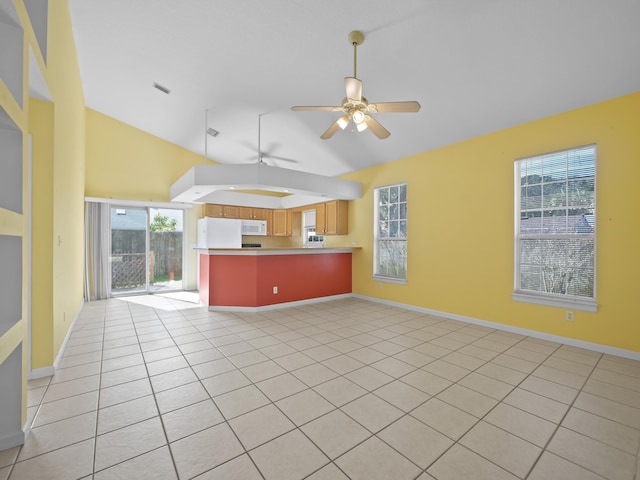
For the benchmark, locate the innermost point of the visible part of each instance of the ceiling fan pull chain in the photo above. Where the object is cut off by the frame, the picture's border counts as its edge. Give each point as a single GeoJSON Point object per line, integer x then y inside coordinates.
{"type": "Point", "coordinates": [355, 59]}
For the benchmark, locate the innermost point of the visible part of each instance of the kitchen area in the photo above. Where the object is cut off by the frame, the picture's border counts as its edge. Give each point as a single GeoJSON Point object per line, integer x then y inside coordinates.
{"type": "Point", "coordinates": [252, 259]}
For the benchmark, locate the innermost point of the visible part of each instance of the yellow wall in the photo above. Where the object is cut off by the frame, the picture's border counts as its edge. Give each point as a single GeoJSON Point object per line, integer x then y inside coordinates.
{"type": "Point", "coordinates": [461, 232]}
{"type": "Point", "coordinates": [126, 163]}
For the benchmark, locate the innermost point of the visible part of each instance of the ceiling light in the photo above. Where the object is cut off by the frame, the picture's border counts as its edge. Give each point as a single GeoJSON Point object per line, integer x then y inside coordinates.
{"type": "Point", "coordinates": [232, 188]}
{"type": "Point", "coordinates": [343, 122]}
{"type": "Point", "coordinates": [362, 126]}
{"type": "Point", "coordinates": [358, 117]}
{"type": "Point", "coordinates": [213, 132]}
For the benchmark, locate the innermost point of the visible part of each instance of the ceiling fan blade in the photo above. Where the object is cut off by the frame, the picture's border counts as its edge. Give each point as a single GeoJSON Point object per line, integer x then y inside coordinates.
{"type": "Point", "coordinates": [388, 107]}
{"type": "Point", "coordinates": [316, 109]}
{"type": "Point", "coordinates": [376, 128]}
{"type": "Point", "coordinates": [335, 126]}
{"type": "Point", "coordinates": [353, 86]}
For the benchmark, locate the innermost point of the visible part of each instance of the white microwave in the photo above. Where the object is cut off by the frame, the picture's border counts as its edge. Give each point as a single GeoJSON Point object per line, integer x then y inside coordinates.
{"type": "Point", "coordinates": [254, 227]}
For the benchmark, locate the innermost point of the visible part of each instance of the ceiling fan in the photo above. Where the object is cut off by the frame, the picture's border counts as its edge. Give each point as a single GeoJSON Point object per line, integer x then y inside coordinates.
{"type": "Point", "coordinates": [355, 107]}
{"type": "Point", "coordinates": [262, 154]}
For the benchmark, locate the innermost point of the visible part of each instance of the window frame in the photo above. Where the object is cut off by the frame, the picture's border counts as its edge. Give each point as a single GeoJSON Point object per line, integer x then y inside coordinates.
{"type": "Point", "coordinates": [575, 302]}
{"type": "Point", "coordinates": [376, 236]}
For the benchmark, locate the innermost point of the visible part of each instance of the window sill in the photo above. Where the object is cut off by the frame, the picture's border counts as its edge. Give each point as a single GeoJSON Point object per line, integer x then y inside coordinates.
{"type": "Point", "coordinates": [396, 280]}
{"type": "Point", "coordinates": [583, 304]}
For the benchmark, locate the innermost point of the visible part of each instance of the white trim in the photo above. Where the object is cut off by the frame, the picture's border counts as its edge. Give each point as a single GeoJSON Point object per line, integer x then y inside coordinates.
{"type": "Point", "coordinates": [277, 306]}
{"type": "Point", "coordinates": [597, 347]}
{"type": "Point", "coordinates": [382, 278]}
{"type": "Point", "coordinates": [51, 369]}
{"type": "Point", "coordinates": [140, 203]}
{"type": "Point", "coordinates": [29, 243]}
{"type": "Point", "coordinates": [252, 252]}
{"type": "Point", "coordinates": [576, 303]}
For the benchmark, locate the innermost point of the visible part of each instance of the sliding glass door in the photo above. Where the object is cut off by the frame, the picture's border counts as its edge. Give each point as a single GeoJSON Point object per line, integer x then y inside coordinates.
{"type": "Point", "coordinates": [146, 250]}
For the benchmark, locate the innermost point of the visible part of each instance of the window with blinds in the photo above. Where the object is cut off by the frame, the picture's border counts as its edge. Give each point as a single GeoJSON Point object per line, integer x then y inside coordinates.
{"type": "Point", "coordinates": [555, 225]}
{"type": "Point", "coordinates": [390, 233]}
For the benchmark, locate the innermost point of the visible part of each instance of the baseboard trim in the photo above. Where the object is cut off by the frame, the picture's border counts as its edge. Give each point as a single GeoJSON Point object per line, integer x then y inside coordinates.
{"type": "Point", "coordinates": [50, 370]}
{"type": "Point", "coordinates": [597, 347]}
{"type": "Point", "coordinates": [276, 306]}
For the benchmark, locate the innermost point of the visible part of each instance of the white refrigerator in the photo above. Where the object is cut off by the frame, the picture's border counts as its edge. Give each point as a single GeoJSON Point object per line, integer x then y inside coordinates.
{"type": "Point", "coordinates": [219, 233]}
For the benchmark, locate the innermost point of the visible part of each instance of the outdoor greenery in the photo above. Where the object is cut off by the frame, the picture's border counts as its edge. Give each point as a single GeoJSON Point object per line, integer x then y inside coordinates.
{"type": "Point", "coordinates": [391, 235]}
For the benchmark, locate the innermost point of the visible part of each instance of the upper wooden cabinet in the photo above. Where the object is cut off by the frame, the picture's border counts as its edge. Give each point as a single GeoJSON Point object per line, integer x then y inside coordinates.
{"type": "Point", "coordinates": [213, 210]}
{"type": "Point", "coordinates": [281, 223]}
{"type": "Point", "coordinates": [232, 211]}
{"type": "Point", "coordinates": [332, 218]}
{"type": "Point", "coordinates": [260, 213]}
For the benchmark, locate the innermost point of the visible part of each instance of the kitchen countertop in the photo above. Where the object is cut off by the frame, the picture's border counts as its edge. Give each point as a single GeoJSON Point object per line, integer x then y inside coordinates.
{"type": "Point", "coordinates": [277, 250]}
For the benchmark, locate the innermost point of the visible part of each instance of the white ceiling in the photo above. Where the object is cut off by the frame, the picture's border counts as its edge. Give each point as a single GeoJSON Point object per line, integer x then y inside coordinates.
{"type": "Point", "coordinates": [475, 66]}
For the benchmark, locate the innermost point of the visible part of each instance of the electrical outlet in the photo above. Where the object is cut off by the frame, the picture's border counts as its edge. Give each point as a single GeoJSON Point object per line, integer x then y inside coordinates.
{"type": "Point", "coordinates": [275, 290]}
{"type": "Point", "coordinates": [569, 316]}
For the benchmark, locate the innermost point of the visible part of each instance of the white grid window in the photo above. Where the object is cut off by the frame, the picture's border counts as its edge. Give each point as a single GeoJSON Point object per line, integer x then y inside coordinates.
{"type": "Point", "coordinates": [390, 233]}
{"type": "Point", "coordinates": [555, 207]}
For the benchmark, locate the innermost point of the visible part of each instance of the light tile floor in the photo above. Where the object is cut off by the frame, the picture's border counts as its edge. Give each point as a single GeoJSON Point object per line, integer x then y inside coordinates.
{"type": "Point", "coordinates": [158, 388]}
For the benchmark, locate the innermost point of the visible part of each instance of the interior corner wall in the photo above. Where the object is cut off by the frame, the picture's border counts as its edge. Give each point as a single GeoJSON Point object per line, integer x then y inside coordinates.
{"type": "Point", "coordinates": [41, 120]}
{"type": "Point", "coordinates": [126, 163]}
{"type": "Point", "coordinates": [461, 225]}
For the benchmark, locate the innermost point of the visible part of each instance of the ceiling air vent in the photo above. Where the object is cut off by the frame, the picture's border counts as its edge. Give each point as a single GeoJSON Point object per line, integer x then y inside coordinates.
{"type": "Point", "coordinates": [162, 88]}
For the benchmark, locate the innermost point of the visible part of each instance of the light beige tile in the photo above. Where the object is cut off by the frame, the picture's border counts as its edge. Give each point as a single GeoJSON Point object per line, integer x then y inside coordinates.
{"type": "Point", "coordinates": [393, 367]}
{"type": "Point", "coordinates": [335, 433]}
{"type": "Point", "coordinates": [329, 472]}
{"type": "Point", "coordinates": [8, 456]}
{"type": "Point", "coordinates": [262, 371]}
{"type": "Point", "coordinates": [412, 357]}
{"type": "Point", "coordinates": [279, 350]}
{"type": "Point", "coordinates": [630, 367]}
{"type": "Point", "coordinates": [374, 460]}
{"type": "Point", "coordinates": [432, 350]}
{"type": "Point", "coordinates": [568, 366]}
{"type": "Point", "coordinates": [78, 371]}
{"type": "Point", "coordinates": [191, 419]}
{"type": "Point", "coordinates": [560, 376]}
{"type": "Point", "coordinates": [260, 426]}
{"type": "Point", "coordinates": [240, 401]}
{"type": "Point", "coordinates": [366, 355]}
{"type": "Point", "coordinates": [202, 356]}
{"type": "Point", "coordinates": [128, 442]}
{"type": "Point", "coordinates": [126, 413]}
{"type": "Point", "coordinates": [153, 465]}
{"type": "Point", "coordinates": [293, 361]}
{"type": "Point", "coordinates": [322, 352]}
{"type": "Point", "coordinates": [240, 467]}
{"type": "Point", "coordinates": [181, 397]}
{"type": "Point", "coordinates": [401, 395]}
{"type": "Point", "coordinates": [58, 434]}
{"type": "Point", "coordinates": [445, 418]}
{"type": "Point", "coordinates": [369, 378]}
{"type": "Point", "coordinates": [602, 459]}
{"type": "Point", "coordinates": [549, 389]}
{"type": "Point", "coordinates": [314, 374]}
{"type": "Point", "coordinates": [122, 362]}
{"type": "Point", "coordinates": [615, 411]}
{"type": "Point", "coordinates": [123, 375]}
{"type": "Point", "coordinates": [502, 373]}
{"type": "Point", "coordinates": [372, 412]}
{"type": "Point", "coordinates": [536, 404]}
{"type": "Point", "coordinates": [248, 358]}
{"type": "Point", "coordinates": [166, 365]}
{"type": "Point", "coordinates": [552, 467]}
{"type": "Point", "coordinates": [124, 392]}
{"type": "Point", "coordinates": [71, 388]}
{"type": "Point", "coordinates": [415, 440]}
{"type": "Point", "coordinates": [606, 431]}
{"type": "Point", "coordinates": [343, 364]}
{"type": "Point", "coordinates": [281, 386]}
{"type": "Point", "coordinates": [66, 408]}
{"type": "Point", "coordinates": [173, 379]}
{"type": "Point", "coordinates": [463, 360]}
{"type": "Point", "coordinates": [289, 457]}
{"type": "Point", "coordinates": [461, 463]}
{"type": "Point", "coordinates": [304, 406]}
{"type": "Point", "coordinates": [467, 400]}
{"type": "Point", "coordinates": [427, 382]}
{"type": "Point", "coordinates": [613, 392]}
{"type": "Point", "coordinates": [615, 378]}
{"type": "Point", "coordinates": [225, 382]}
{"type": "Point", "coordinates": [446, 370]}
{"type": "Point", "coordinates": [523, 424]}
{"type": "Point", "coordinates": [73, 461]}
{"type": "Point", "coordinates": [526, 354]}
{"type": "Point", "coordinates": [212, 368]}
{"type": "Point", "coordinates": [191, 459]}
{"type": "Point", "coordinates": [486, 385]}
{"type": "Point", "coordinates": [340, 391]}
{"type": "Point", "coordinates": [4, 472]}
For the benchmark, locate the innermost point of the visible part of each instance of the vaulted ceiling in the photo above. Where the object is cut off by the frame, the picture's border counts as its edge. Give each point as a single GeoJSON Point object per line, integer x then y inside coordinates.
{"type": "Point", "coordinates": [474, 66]}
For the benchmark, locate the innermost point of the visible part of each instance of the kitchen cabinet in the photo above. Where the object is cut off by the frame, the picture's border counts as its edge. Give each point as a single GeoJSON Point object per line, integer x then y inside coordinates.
{"type": "Point", "coordinates": [213, 210]}
{"type": "Point", "coordinates": [281, 223]}
{"type": "Point", "coordinates": [245, 213]}
{"type": "Point", "coordinates": [260, 213]}
{"type": "Point", "coordinates": [332, 218]}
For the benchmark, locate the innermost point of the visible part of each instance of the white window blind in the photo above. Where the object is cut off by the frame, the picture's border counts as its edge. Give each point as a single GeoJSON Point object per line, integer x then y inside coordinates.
{"type": "Point", "coordinates": [390, 233]}
{"type": "Point", "coordinates": [555, 227]}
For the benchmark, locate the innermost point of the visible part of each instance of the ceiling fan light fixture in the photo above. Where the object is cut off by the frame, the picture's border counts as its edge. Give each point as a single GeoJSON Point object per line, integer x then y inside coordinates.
{"type": "Point", "coordinates": [362, 126]}
{"type": "Point", "coordinates": [343, 122]}
{"type": "Point", "coordinates": [358, 117]}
